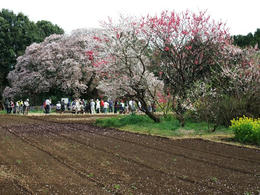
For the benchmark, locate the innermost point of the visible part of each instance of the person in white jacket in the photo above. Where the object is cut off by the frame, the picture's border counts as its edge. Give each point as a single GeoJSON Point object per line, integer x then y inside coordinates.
{"type": "Point", "coordinates": [92, 106]}
{"type": "Point", "coordinates": [106, 106]}
{"type": "Point", "coordinates": [97, 106]}
{"type": "Point", "coordinates": [26, 106]}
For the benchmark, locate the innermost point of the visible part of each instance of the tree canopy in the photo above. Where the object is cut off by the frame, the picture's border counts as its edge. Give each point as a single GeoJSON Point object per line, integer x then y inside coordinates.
{"type": "Point", "coordinates": [59, 63]}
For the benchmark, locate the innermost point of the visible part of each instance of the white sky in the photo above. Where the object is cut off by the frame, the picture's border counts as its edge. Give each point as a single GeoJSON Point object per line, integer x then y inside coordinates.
{"type": "Point", "coordinates": [241, 16]}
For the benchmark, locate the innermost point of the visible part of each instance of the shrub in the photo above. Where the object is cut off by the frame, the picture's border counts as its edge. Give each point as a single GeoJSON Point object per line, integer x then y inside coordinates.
{"type": "Point", "coordinates": [135, 119]}
{"type": "Point", "coordinates": [221, 109]}
{"type": "Point", "coordinates": [247, 130]}
{"type": "Point", "coordinates": [131, 119]}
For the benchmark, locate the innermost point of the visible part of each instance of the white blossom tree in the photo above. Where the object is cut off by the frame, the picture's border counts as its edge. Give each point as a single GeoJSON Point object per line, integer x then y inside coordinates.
{"type": "Point", "coordinates": [234, 91]}
{"type": "Point", "coordinates": [126, 70]}
{"type": "Point", "coordinates": [59, 62]}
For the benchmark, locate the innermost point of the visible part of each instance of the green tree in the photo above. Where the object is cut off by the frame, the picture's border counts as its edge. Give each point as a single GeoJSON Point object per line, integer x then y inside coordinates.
{"type": "Point", "coordinates": [46, 28]}
{"type": "Point", "coordinates": [16, 33]}
{"type": "Point", "coordinates": [257, 37]}
{"type": "Point", "coordinates": [248, 40]}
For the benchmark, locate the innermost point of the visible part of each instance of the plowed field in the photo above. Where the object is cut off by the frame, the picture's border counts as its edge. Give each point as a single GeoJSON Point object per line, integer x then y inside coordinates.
{"type": "Point", "coordinates": [57, 155]}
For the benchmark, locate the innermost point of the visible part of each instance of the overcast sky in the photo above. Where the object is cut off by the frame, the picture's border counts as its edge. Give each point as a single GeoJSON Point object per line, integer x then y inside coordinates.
{"type": "Point", "coordinates": [241, 16]}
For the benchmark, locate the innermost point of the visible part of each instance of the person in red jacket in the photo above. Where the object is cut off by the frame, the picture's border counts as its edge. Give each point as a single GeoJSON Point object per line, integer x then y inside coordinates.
{"type": "Point", "coordinates": [102, 105]}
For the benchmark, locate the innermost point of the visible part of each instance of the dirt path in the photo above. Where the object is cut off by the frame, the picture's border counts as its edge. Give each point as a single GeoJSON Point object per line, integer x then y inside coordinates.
{"type": "Point", "coordinates": [39, 155]}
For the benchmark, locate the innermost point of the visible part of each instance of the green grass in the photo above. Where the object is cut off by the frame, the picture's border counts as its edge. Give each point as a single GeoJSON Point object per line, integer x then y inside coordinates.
{"type": "Point", "coordinates": [2, 112]}
{"type": "Point", "coordinates": [168, 126]}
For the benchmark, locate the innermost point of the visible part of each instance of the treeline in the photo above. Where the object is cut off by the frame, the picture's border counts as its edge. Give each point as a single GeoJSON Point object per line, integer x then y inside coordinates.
{"type": "Point", "coordinates": [248, 40]}
{"type": "Point", "coordinates": [16, 33]}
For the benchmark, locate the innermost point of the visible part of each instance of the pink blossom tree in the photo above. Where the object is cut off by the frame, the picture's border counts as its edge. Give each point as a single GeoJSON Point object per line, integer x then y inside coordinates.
{"type": "Point", "coordinates": [188, 47]}
{"type": "Point", "coordinates": [59, 62]}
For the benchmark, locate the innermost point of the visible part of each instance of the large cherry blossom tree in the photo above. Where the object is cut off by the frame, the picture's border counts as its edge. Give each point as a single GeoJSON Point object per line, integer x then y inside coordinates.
{"type": "Point", "coordinates": [59, 62]}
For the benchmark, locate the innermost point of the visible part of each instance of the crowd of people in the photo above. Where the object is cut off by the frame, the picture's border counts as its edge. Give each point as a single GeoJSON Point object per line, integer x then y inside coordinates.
{"type": "Point", "coordinates": [18, 107]}
{"type": "Point", "coordinates": [78, 106]}
{"type": "Point", "coordinates": [93, 106]}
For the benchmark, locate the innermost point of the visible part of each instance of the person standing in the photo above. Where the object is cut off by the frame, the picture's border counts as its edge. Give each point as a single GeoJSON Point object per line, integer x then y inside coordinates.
{"type": "Point", "coordinates": [48, 105]}
{"type": "Point", "coordinates": [68, 105]}
{"type": "Point", "coordinates": [58, 107]}
{"type": "Point", "coordinates": [131, 106]}
{"type": "Point", "coordinates": [87, 106]}
{"type": "Point", "coordinates": [77, 106]}
{"type": "Point", "coordinates": [139, 106]}
{"type": "Point", "coordinates": [12, 107]}
{"type": "Point", "coordinates": [126, 107]}
{"type": "Point", "coordinates": [17, 104]}
{"type": "Point", "coordinates": [110, 102]}
{"type": "Point", "coordinates": [122, 107]}
{"type": "Point", "coordinates": [7, 105]}
{"type": "Point", "coordinates": [115, 106]}
{"type": "Point", "coordinates": [21, 106]}
{"type": "Point", "coordinates": [98, 106]}
{"type": "Point", "coordinates": [62, 106]}
{"type": "Point", "coordinates": [92, 106]}
{"type": "Point", "coordinates": [73, 106]}
{"type": "Point", "coordinates": [26, 106]}
{"type": "Point", "coordinates": [102, 105]}
{"type": "Point", "coordinates": [106, 106]}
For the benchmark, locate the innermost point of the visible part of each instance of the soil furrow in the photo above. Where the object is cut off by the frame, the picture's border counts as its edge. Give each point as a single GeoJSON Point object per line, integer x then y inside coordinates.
{"type": "Point", "coordinates": [161, 139]}
{"type": "Point", "coordinates": [49, 156]}
{"type": "Point", "coordinates": [121, 157]}
{"type": "Point", "coordinates": [78, 172]}
{"type": "Point", "coordinates": [173, 153]}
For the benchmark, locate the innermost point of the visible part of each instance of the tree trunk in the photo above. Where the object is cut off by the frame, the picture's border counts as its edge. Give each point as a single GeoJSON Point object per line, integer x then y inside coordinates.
{"type": "Point", "coordinates": [152, 116]}
{"type": "Point", "coordinates": [145, 109]}
{"type": "Point", "coordinates": [181, 119]}
{"type": "Point", "coordinates": [179, 110]}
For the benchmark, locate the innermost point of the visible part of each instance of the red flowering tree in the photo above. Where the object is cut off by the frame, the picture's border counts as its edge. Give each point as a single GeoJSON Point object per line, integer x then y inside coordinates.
{"type": "Point", "coordinates": [188, 48]}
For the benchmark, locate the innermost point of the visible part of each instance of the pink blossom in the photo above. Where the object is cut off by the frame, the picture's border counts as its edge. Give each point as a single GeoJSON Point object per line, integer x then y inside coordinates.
{"type": "Point", "coordinates": [188, 47]}
{"type": "Point", "coordinates": [90, 55]}
{"type": "Point", "coordinates": [97, 38]}
{"type": "Point", "coordinates": [195, 31]}
{"type": "Point", "coordinates": [184, 32]}
{"type": "Point", "coordinates": [166, 48]}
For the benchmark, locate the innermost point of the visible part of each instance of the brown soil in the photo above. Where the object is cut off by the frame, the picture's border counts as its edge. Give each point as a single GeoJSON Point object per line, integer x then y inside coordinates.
{"type": "Point", "coordinates": [46, 155]}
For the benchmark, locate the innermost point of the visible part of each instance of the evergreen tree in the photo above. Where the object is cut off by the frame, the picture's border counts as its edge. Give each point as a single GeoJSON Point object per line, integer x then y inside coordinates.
{"type": "Point", "coordinates": [248, 40]}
